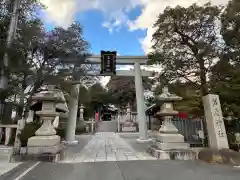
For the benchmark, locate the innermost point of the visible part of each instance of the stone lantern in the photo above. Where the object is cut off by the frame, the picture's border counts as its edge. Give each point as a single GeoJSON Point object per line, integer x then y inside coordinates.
{"type": "Point", "coordinates": [128, 125]}
{"type": "Point", "coordinates": [169, 142]}
{"type": "Point", "coordinates": [81, 110]}
{"type": "Point", "coordinates": [80, 122]}
{"type": "Point", "coordinates": [45, 140]}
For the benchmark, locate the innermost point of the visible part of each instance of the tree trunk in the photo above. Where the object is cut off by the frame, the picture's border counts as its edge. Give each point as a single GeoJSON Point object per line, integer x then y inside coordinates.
{"type": "Point", "coordinates": [22, 96]}
{"type": "Point", "coordinates": [204, 86]}
{"type": "Point", "coordinates": [21, 122]}
{"type": "Point", "coordinates": [29, 100]}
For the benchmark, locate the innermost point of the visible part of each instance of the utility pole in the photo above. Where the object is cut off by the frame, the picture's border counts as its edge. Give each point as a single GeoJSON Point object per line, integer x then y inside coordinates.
{"type": "Point", "coordinates": [11, 34]}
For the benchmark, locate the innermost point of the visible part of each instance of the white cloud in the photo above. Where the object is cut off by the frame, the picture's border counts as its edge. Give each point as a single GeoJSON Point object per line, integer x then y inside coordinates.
{"type": "Point", "coordinates": [116, 20]}
{"type": "Point", "coordinates": [108, 26]}
{"type": "Point", "coordinates": [62, 12]}
{"type": "Point", "coordinates": [151, 10]}
{"type": "Point", "coordinates": [124, 67]}
{"type": "Point", "coordinates": [105, 79]}
{"type": "Point", "coordinates": [153, 68]}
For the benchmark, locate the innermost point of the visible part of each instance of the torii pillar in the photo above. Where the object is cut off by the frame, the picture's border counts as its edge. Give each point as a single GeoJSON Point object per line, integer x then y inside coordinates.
{"type": "Point", "coordinates": [72, 118]}
{"type": "Point", "coordinates": [141, 116]}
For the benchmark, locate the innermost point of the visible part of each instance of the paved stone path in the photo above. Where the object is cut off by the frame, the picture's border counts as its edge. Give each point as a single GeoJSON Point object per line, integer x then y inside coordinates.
{"type": "Point", "coordinates": [131, 170]}
{"type": "Point", "coordinates": [107, 146]}
{"type": "Point", "coordinates": [107, 126]}
{"type": "Point", "coordinates": [115, 153]}
{"type": "Point", "coordinates": [5, 166]}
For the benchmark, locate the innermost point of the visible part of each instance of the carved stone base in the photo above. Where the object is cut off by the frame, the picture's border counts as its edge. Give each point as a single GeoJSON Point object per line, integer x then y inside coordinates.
{"type": "Point", "coordinates": [44, 144]}
{"type": "Point", "coordinates": [38, 157]}
{"type": "Point", "coordinates": [171, 138]}
{"type": "Point", "coordinates": [39, 141]}
{"type": "Point", "coordinates": [45, 149]}
{"type": "Point", "coordinates": [49, 154]}
{"type": "Point", "coordinates": [179, 154]}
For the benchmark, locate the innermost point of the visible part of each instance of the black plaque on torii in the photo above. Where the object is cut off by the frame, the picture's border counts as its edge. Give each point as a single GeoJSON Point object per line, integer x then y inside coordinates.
{"type": "Point", "coordinates": [108, 63]}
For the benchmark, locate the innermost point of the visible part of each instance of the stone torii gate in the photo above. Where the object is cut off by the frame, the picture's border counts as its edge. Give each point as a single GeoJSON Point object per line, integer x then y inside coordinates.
{"type": "Point", "coordinates": [136, 72]}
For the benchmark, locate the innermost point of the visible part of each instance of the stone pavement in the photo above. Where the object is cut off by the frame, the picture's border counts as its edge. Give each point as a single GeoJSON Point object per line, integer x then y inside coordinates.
{"type": "Point", "coordinates": [107, 146]}
{"type": "Point", "coordinates": [5, 166]}
{"type": "Point", "coordinates": [106, 126]}
{"type": "Point", "coordinates": [132, 170]}
{"type": "Point", "coordinates": [115, 153]}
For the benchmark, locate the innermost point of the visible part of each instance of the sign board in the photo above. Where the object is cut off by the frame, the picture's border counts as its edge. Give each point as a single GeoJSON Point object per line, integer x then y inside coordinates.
{"type": "Point", "coordinates": [215, 125]}
{"type": "Point", "coordinates": [108, 62]}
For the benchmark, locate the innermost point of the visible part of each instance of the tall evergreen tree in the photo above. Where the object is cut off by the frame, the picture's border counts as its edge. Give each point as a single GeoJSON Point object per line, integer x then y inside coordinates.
{"type": "Point", "coordinates": [186, 43]}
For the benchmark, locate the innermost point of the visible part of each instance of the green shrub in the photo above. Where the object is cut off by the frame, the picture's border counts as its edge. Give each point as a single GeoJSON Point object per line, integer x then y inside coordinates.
{"type": "Point", "coordinates": [61, 132]}
{"type": "Point", "coordinates": [12, 138]}
{"type": "Point", "coordinates": [231, 137]}
{"type": "Point", "coordinates": [80, 128]}
{"type": "Point", "coordinates": [219, 156]}
{"type": "Point", "coordinates": [28, 131]}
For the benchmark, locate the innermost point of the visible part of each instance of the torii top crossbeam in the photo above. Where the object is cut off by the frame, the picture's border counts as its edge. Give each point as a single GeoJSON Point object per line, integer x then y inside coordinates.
{"type": "Point", "coordinates": [120, 60]}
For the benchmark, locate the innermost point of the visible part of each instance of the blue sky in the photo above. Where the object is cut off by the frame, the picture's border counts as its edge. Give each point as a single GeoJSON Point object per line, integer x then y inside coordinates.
{"type": "Point", "coordinates": [122, 25]}
{"type": "Point", "coordinates": [121, 39]}
{"type": "Point", "coordinates": [125, 26]}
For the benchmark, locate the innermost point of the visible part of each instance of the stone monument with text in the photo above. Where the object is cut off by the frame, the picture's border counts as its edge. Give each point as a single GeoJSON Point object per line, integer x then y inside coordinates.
{"type": "Point", "coordinates": [217, 136]}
